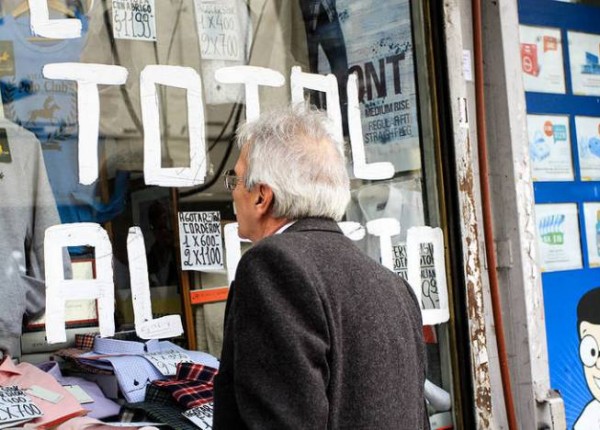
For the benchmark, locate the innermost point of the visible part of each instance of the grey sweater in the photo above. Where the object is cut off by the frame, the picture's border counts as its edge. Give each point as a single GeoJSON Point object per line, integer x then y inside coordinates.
{"type": "Point", "coordinates": [27, 208]}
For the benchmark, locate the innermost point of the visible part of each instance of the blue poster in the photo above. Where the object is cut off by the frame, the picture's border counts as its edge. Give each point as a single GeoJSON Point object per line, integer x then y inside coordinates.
{"type": "Point", "coordinates": [573, 332]}
{"type": "Point", "coordinates": [374, 41]}
{"type": "Point", "coordinates": [571, 291]}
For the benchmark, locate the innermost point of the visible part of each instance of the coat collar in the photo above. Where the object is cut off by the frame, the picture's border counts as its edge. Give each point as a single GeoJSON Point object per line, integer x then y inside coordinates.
{"type": "Point", "coordinates": [314, 224]}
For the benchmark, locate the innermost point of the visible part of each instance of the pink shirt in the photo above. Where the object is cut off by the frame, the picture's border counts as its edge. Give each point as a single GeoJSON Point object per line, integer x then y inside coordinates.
{"type": "Point", "coordinates": [24, 375]}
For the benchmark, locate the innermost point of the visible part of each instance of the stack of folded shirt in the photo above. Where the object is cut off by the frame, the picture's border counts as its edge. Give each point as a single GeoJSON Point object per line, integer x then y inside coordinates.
{"type": "Point", "coordinates": [98, 405]}
{"type": "Point", "coordinates": [168, 401]}
{"type": "Point", "coordinates": [137, 364]}
{"type": "Point", "coordinates": [156, 381]}
{"type": "Point", "coordinates": [55, 405]}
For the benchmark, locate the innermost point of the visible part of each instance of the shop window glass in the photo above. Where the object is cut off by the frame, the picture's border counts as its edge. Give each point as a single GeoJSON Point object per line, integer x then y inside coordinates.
{"type": "Point", "coordinates": [379, 48]}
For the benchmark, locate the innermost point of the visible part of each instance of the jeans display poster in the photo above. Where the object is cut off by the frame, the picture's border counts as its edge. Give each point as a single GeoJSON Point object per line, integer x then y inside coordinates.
{"type": "Point", "coordinates": [588, 147]}
{"type": "Point", "coordinates": [558, 237]}
{"type": "Point", "coordinates": [542, 59]}
{"type": "Point", "coordinates": [550, 148]}
{"type": "Point", "coordinates": [375, 42]}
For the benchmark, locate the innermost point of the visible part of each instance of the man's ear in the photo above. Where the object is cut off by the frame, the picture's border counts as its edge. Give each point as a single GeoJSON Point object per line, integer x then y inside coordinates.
{"type": "Point", "coordinates": [264, 198]}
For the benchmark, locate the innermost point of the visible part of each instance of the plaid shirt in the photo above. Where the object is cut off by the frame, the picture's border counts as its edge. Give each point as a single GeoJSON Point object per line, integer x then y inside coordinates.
{"type": "Point", "coordinates": [85, 341]}
{"type": "Point", "coordinates": [167, 413]}
{"type": "Point", "coordinates": [192, 386]}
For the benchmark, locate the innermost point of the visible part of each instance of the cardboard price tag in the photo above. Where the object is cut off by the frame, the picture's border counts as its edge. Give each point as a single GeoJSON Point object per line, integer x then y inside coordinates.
{"type": "Point", "coordinates": [201, 416]}
{"type": "Point", "coordinates": [166, 361]}
{"type": "Point", "coordinates": [200, 241]}
{"type": "Point", "coordinates": [16, 406]}
{"type": "Point", "coordinates": [134, 20]}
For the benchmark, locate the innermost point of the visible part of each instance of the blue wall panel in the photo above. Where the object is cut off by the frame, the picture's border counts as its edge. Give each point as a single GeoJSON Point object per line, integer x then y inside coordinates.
{"type": "Point", "coordinates": [563, 289]}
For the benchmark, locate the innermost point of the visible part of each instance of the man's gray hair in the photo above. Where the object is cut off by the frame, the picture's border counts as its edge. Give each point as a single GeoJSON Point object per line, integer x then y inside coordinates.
{"type": "Point", "coordinates": [293, 151]}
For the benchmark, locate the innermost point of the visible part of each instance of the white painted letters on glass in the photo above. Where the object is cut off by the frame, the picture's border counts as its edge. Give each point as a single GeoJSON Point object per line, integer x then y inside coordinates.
{"type": "Point", "coordinates": [145, 326]}
{"type": "Point", "coordinates": [43, 26]}
{"type": "Point", "coordinates": [385, 228]}
{"type": "Point", "coordinates": [252, 77]}
{"type": "Point", "coordinates": [59, 289]}
{"type": "Point", "coordinates": [300, 80]}
{"type": "Point", "coordinates": [362, 170]}
{"type": "Point", "coordinates": [88, 76]}
{"type": "Point", "coordinates": [178, 77]}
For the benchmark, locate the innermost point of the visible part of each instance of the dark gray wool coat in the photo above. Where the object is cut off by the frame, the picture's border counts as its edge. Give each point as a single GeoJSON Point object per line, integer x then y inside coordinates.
{"type": "Point", "coordinates": [319, 336]}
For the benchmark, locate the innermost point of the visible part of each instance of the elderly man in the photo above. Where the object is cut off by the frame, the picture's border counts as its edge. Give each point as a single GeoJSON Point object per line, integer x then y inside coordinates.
{"type": "Point", "coordinates": [317, 334]}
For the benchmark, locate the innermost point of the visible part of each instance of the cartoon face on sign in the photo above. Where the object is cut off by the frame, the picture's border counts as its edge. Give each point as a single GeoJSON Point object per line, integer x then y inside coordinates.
{"type": "Point", "coordinates": [588, 323]}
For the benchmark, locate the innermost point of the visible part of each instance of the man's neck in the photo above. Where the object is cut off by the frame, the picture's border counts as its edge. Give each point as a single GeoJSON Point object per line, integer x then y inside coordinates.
{"type": "Point", "coordinates": [271, 227]}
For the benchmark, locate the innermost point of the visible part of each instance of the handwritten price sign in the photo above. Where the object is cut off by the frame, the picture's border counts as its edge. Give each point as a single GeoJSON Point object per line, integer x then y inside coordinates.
{"type": "Point", "coordinates": [166, 361]}
{"type": "Point", "coordinates": [200, 241]}
{"type": "Point", "coordinates": [134, 19]}
{"type": "Point", "coordinates": [16, 406]}
{"type": "Point", "coordinates": [219, 30]}
{"type": "Point", "coordinates": [202, 416]}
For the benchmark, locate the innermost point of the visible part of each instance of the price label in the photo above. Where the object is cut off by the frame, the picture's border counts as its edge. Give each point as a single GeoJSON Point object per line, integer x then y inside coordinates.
{"type": "Point", "coordinates": [201, 242]}
{"type": "Point", "coordinates": [202, 416]}
{"type": "Point", "coordinates": [219, 30]}
{"type": "Point", "coordinates": [16, 406]}
{"type": "Point", "coordinates": [400, 260]}
{"type": "Point", "coordinates": [134, 20]}
{"type": "Point", "coordinates": [166, 361]}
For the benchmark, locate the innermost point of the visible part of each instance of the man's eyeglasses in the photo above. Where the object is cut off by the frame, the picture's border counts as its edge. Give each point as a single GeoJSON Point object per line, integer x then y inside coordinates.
{"type": "Point", "coordinates": [231, 179]}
